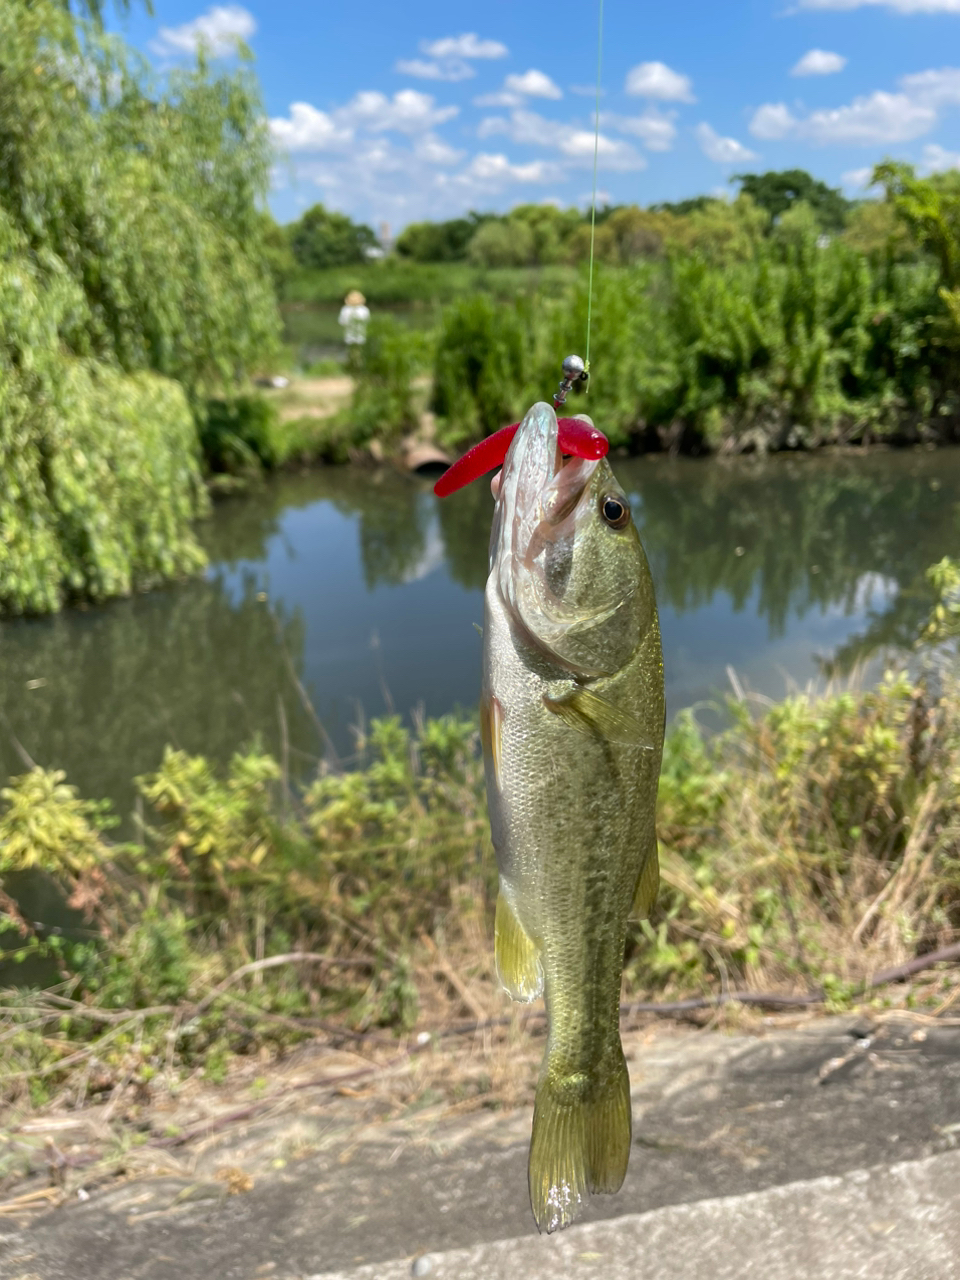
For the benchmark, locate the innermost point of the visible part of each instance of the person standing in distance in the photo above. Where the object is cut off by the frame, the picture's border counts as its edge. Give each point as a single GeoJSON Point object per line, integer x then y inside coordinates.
{"type": "Point", "coordinates": [354, 317]}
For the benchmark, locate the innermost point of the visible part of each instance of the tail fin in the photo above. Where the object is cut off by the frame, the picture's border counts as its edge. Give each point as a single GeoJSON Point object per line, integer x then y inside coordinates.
{"type": "Point", "coordinates": [581, 1142]}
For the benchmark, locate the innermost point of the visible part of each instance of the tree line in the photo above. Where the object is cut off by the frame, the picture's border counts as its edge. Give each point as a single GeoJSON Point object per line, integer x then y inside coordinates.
{"type": "Point", "coordinates": [544, 234]}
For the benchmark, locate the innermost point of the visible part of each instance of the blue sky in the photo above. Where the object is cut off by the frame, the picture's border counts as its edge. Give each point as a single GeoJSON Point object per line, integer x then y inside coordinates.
{"type": "Point", "coordinates": [396, 112]}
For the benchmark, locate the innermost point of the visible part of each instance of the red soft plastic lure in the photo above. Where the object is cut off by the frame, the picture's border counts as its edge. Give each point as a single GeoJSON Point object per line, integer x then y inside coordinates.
{"type": "Point", "coordinates": [574, 437]}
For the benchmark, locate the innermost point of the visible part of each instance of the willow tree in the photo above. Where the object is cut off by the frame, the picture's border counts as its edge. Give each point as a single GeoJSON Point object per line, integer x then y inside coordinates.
{"type": "Point", "coordinates": [133, 280]}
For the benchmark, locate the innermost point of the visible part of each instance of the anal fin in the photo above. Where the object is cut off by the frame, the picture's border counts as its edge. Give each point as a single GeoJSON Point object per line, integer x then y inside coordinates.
{"type": "Point", "coordinates": [648, 885]}
{"type": "Point", "coordinates": [517, 955]}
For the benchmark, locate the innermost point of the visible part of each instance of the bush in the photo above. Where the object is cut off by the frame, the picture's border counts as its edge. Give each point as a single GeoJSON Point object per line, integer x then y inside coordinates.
{"type": "Point", "coordinates": [480, 367]}
{"type": "Point", "coordinates": [99, 470]}
{"type": "Point", "coordinates": [240, 435]}
{"type": "Point", "coordinates": [383, 405]}
{"type": "Point", "coordinates": [131, 246]}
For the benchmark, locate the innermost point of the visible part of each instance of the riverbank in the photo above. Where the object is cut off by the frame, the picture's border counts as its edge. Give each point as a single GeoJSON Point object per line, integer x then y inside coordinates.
{"type": "Point", "coordinates": [808, 853]}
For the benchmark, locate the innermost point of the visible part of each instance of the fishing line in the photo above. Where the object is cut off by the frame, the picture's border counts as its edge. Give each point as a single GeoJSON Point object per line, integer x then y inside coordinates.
{"type": "Point", "coordinates": [593, 209]}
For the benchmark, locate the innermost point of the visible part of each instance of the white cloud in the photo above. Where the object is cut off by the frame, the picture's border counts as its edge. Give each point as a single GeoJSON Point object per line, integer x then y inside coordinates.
{"type": "Point", "coordinates": [937, 159]}
{"type": "Point", "coordinates": [533, 84]}
{"type": "Point", "coordinates": [406, 112]}
{"type": "Point", "coordinates": [868, 121]}
{"type": "Point", "coordinates": [934, 88]}
{"type": "Point", "coordinates": [655, 129]}
{"type": "Point", "coordinates": [502, 98]}
{"type": "Point", "coordinates": [657, 80]}
{"type": "Point", "coordinates": [873, 120]}
{"type": "Point", "coordinates": [451, 69]}
{"type": "Point", "coordinates": [217, 30]}
{"type": "Point", "coordinates": [900, 6]}
{"type": "Point", "coordinates": [434, 150]}
{"type": "Point", "coordinates": [772, 120]}
{"type": "Point", "coordinates": [722, 150]}
{"type": "Point", "coordinates": [857, 179]}
{"type": "Point", "coordinates": [497, 169]}
{"type": "Point", "coordinates": [819, 63]}
{"type": "Point", "coordinates": [529, 129]}
{"type": "Point", "coordinates": [308, 129]}
{"type": "Point", "coordinates": [465, 46]}
{"type": "Point", "coordinates": [516, 89]}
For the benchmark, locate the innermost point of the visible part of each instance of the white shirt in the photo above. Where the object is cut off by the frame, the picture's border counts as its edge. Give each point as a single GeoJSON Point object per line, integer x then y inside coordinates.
{"type": "Point", "coordinates": [354, 323]}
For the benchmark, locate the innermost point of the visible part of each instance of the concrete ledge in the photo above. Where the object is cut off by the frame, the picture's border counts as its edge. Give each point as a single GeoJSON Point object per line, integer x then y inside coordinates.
{"type": "Point", "coordinates": [886, 1223]}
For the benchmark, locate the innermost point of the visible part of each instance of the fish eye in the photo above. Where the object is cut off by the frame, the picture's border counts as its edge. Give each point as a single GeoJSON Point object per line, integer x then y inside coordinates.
{"type": "Point", "coordinates": [614, 511]}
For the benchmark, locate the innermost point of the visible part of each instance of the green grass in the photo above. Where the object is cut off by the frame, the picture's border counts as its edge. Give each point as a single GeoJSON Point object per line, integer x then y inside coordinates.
{"type": "Point", "coordinates": [396, 282]}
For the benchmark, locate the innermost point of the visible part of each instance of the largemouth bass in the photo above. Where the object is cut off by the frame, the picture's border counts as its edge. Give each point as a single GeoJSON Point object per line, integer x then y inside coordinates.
{"type": "Point", "coordinates": [572, 718]}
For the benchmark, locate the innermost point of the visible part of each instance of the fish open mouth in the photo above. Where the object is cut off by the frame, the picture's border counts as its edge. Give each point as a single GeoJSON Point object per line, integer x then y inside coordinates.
{"type": "Point", "coordinates": [541, 487]}
{"type": "Point", "coordinates": [541, 482]}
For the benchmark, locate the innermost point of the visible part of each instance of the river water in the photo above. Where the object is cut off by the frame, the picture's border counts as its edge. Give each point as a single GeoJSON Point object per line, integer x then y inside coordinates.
{"type": "Point", "coordinates": [361, 588]}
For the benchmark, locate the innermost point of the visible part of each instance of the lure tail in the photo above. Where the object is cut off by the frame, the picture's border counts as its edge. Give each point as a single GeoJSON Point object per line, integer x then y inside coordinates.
{"type": "Point", "coordinates": [576, 437]}
{"type": "Point", "coordinates": [582, 1128]}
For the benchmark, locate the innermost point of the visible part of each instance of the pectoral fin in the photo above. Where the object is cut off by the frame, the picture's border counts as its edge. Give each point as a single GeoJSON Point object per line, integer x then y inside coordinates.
{"type": "Point", "coordinates": [517, 955]}
{"type": "Point", "coordinates": [590, 712]}
{"type": "Point", "coordinates": [648, 885]}
{"type": "Point", "coordinates": [491, 735]}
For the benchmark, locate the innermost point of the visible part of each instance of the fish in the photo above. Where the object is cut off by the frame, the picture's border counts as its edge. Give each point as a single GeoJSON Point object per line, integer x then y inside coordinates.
{"type": "Point", "coordinates": [572, 723]}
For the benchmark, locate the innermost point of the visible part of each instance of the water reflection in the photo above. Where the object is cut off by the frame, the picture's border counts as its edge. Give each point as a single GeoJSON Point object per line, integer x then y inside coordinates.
{"type": "Point", "coordinates": [803, 533]}
{"type": "Point", "coordinates": [100, 693]}
{"type": "Point", "coordinates": [773, 567]}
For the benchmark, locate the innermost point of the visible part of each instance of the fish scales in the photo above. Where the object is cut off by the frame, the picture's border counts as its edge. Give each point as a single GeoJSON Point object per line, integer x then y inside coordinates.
{"type": "Point", "coordinates": [573, 714]}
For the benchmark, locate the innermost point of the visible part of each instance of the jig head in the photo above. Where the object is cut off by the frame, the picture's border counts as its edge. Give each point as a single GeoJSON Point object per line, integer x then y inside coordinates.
{"type": "Point", "coordinates": [574, 371]}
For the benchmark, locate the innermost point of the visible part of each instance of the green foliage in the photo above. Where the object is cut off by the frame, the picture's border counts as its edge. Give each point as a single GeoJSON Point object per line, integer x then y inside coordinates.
{"type": "Point", "coordinates": [778, 192]}
{"type": "Point", "coordinates": [383, 401]}
{"type": "Point", "coordinates": [99, 471]}
{"type": "Point", "coordinates": [479, 369]}
{"type": "Point", "coordinates": [931, 209]}
{"type": "Point", "coordinates": [744, 338]}
{"type": "Point", "coordinates": [875, 229]}
{"type": "Point", "coordinates": [130, 246]}
{"type": "Point", "coordinates": [153, 962]}
{"type": "Point", "coordinates": [812, 843]}
{"type": "Point", "coordinates": [402, 282]}
{"type": "Point", "coordinates": [943, 623]}
{"type": "Point", "coordinates": [322, 238]}
{"type": "Point", "coordinates": [503, 244]}
{"type": "Point", "coordinates": [45, 826]}
{"type": "Point", "coordinates": [277, 251]}
{"type": "Point", "coordinates": [439, 241]}
{"type": "Point", "coordinates": [623, 237]}
{"type": "Point", "coordinates": [240, 435]}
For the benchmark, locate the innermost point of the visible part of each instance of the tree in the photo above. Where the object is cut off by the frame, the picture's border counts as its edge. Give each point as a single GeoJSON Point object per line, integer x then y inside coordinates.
{"type": "Point", "coordinates": [550, 227]}
{"type": "Point", "coordinates": [503, 243]}
{"type": "Point", "coordinates": [133, 280]}
{"type": "Point", "coordinates": [778, 192]}
{"type": "Point", "coordinates": [681, 208]}
{"type": "Point", "coordinates": [322, 238]}
{"type": "Point", "coordinates": [930, 207]}
{"type": "Point", "coordinates": [626, 234]}
{"type": "Point", "coordinates": [439, 241]}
